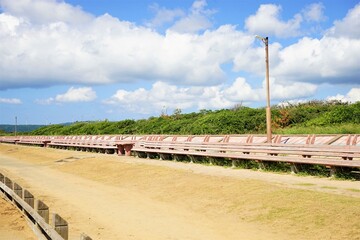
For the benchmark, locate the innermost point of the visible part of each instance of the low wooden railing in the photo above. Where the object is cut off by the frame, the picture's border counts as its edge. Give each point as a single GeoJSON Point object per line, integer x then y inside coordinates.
{"type": "Point", "coordinates": [36, 211]}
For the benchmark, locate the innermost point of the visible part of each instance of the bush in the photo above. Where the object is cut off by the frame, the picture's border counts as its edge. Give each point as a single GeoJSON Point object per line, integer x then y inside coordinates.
{"type": "Point", "coordinates": [308, 118]}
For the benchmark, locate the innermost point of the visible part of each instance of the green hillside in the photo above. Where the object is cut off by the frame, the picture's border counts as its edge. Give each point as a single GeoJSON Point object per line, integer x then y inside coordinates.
{"type": "Point", "coordinates": [311, 117]}
{"type": "Point", "coordinates": [8, 128]}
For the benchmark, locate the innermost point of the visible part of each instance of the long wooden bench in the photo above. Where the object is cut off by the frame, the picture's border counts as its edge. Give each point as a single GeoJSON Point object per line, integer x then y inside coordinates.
{"type": "Point", "coordinates": [346, 152]}
{"type": "Point", "coordinates": [346, 156]}
{"type": "Point", "coordinates": [8, 139]}
{"type": "Point", "coordinates": [119, 146]}
{"type": "Point", "coordinates": [43, 143]}
{"type": "Point", "coordinates": [85, 145]}
{"type": "Point", "coordinates": [92, 144]}
{"type": "Point", "coordinates": [329, 147]}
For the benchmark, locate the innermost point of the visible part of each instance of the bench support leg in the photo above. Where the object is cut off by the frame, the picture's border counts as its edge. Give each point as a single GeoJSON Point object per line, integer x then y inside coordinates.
{"type": "Point", "coordinates": [261, 165]}
{"type": "Point", "coordinates": [294, 168]}
{"type": "Point", "coordinates": [234, 163]}
{"type": "Point", "coordinates": [192, 158]}
{"type": "Point", "coordinates": [332, 172]}
{"type": "Point", "coordinates": [121, 150]}
{"type": "Point", "coordinates": [127, 149]}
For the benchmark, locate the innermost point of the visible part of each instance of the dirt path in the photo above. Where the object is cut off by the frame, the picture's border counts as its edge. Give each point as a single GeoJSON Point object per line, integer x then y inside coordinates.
{"type": "Point", "coordinates": [111, 197]}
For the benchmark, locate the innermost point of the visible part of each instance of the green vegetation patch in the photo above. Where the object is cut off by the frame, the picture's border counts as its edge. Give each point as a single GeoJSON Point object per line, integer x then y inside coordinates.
{"type": "Point", "coordinates": [314, 117]}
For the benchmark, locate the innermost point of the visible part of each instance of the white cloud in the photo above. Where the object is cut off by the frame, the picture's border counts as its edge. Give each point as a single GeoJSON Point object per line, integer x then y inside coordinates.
{"type": "Point", "coordinates": [243, 91]}
{"type": "Point", "coordinates": [314, 12]}
{"type": "Point", "coordinates": [109, 50]}
{"type": "Point", "coordinates": [253, 59]}
{"type": "Point", "coordinates": [45, 11]}
{"type": "Point", "coordinates": [47, 101]}
{"type": "Point", "coordinates": [291, 102]}
{"type": "Point", "coordinates": [325, 60]}
{"type": "Point", "coordinates": [8, 24]}
{"type": "Point", "coordinates": [332, 60]}
{"type": "Point", "coordinates": [43, 49]}
{"type": "Point", "coordinates": [10, 100]}
{"type": "Point", "coordinates": [196, 20]}
{"type": "Point", "coordinates": [160, 95]}
{"type": "Point", "coordinates": [198, 6]}
{"type": "Point", "coordinates": [267, 21]}
{"type": "Point", "coordinates": [82, 94]}
{"type": "Point", "coordinates": [191, 24]}
{"type": "Point", "coordinates": [291, 90]}
{"type": "Point", "coordinates": [164, 15]}
{"type": "Point", "coordinates": [349, 26]}
{"type": "Point", "coordinates": [216, 97]}
{"type": "Point", "coordinates": [352, 96]}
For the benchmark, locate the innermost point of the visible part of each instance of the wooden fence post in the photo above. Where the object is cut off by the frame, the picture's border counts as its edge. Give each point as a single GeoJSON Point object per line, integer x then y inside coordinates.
{"type": "Point", "coordinates": [60, 226]}
{"type": "Point", "coordinates": [43, 210]}
{"type": "Point", "coordinates": [29, 198]}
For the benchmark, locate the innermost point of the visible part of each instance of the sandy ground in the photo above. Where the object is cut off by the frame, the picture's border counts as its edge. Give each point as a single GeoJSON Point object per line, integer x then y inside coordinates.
{"type": "Point", "coordinates": [13, 224]}
{"type": "Point", "coordinates": [112, 197]}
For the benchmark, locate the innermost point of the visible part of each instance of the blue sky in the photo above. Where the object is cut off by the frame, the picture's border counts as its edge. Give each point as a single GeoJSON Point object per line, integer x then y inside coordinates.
{"type": "Point", "coordinates": [76, 60]}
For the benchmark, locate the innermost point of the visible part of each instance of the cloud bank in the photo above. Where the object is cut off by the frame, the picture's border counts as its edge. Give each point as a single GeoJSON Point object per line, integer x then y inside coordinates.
{"type": "Point", "coordinates": [172, 97]}
{"type": "Point", "coordinates": [352, 96]}
{"type": "Point", "coordinates": [48, 43]}
{"type": "Point", "coordinates": [43, 48]}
